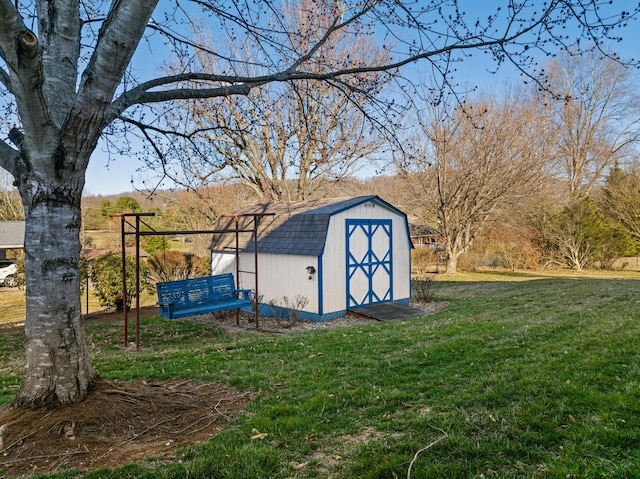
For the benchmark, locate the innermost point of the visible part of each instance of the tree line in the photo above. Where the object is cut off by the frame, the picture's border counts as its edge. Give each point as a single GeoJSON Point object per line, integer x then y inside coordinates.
{"type": "Point", "coordinates": [542, 174]}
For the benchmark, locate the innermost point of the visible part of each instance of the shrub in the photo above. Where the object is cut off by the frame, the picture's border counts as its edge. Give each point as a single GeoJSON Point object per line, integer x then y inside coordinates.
{"type": "Point", "coordinates": [424, 260]}
{"type": "Point", "coordinates": [422, 290]}
{"type": "Point", "coordinates": [289, 313]}
{"type": "Point", "coordinates": [20, 275]}
{"type": "Point", "coordinates": [155, 244]}
{"type": "Point", "coordinates": [106, 274]}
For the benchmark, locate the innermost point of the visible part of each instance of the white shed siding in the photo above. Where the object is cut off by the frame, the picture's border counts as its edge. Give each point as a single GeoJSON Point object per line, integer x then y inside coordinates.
{"type": "Point", "coordinates": [334, 258]}
{"type": "Point", "coordinates": [222, 263]}
{"type": "Point", "coordinates": [281, 276]}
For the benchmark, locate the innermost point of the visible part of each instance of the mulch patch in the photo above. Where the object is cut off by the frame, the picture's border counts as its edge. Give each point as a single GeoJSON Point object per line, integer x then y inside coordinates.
{"type": "Point", "coordinates": [121, 422]}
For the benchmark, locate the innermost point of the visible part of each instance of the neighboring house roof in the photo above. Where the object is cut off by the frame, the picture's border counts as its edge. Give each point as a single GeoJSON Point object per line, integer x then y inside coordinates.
{"type": "Point", "coordinates": [422, 230]}
{"type": "Point", "coordinates": [92, 253]}
{"type": "Point", "coordinates": [295, 228]}
{"type": "Point", "coordinates": [11, 234]}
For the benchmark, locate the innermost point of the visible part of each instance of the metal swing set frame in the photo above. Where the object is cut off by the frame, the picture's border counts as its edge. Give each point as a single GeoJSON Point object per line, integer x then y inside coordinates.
{"type": "Point", "coordinates": [128, 228]}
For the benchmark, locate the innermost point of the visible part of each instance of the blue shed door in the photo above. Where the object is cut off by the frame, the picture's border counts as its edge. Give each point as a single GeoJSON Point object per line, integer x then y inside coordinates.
{"type": "Point", "coordinates": [369, 265]}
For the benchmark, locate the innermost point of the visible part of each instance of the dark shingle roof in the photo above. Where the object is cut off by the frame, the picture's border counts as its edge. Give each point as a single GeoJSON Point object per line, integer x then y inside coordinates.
{"type": "Point", "coordinates": [11, 234]}
{"type": "Point", "coordinates": [295, 228]}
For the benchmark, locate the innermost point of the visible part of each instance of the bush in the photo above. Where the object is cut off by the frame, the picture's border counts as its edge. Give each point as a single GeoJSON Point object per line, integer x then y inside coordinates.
{"type": "Point", "coordinates": [20, 275]}
{"type": "Point", "coordinates": [424, 261]}
{"type": "Point", "coordinates": [288, 314]}
{"type": "Point", "coordinates": [175, 265]}
{"type": "Point", "coordinates": [106, 274]}
{"type": "Point", "coordinates": [155, 244]}
{"type": "Point", "coordinates": [422, 290]}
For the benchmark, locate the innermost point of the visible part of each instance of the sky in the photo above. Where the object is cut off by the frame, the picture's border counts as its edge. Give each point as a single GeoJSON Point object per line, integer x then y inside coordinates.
{"type": "Point", "coordinates": [109, 176]}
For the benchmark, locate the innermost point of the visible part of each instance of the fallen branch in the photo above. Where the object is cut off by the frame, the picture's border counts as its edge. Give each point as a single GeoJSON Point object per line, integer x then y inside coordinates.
{"type": "Point", "coordinates": [415, 457]}
{"type": "Point", "coordinates": [210, 423]}
{"type": "Point", "coordinates": [182, 431]}
{"type": "Point", "coordinates": [135, 436]}
{"type": "Point", "coordinates": [119, 391]}
{"type": "Point", "coordinates": [45, 456]}
{"type": "Point", "coordinates": [215, 408]}
{"type": "Point", "coordinates": [16, 442]}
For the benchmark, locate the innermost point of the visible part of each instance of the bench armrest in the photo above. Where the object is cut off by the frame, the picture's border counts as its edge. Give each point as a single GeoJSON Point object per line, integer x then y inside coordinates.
{"type": "Point", "coordinates": [168, 306]}
{"type": "Point", "coordinates": [243, 292]}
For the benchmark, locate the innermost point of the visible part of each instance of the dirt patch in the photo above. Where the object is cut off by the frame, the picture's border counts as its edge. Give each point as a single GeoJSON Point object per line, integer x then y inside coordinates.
{"type": "Point", "coordinates": [119, 423]}
{"type": "Point", "coordinates": [128, 421]}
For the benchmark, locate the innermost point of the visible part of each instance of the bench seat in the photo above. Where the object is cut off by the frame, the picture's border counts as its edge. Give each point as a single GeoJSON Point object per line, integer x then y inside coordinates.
{"type": "Point", "coordinates": [191, 297]}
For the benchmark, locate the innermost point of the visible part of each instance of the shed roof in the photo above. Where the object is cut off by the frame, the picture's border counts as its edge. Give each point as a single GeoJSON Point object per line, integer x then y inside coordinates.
{"type": "Point", "coordinates": [11, 234]}
{"type": "Point", "coordinates": [298, 228]}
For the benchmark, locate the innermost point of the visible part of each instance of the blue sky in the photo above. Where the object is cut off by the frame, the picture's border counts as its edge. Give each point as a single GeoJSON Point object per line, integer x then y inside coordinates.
{"type": "Point", "coordinates": [105, 177]}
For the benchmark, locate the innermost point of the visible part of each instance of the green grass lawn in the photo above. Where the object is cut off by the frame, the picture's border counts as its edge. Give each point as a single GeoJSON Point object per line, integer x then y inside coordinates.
{"type": "Point", "coordinates": [523, 376]}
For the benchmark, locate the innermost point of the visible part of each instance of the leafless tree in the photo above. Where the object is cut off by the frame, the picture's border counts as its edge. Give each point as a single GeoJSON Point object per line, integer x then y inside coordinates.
{"type": "Point", "coordinates": [68, 79]}
{"type": "Point", "coordinates": [468, 162]}
{"type": "Point", "coordinates": [199, 209]}
{"type": "Point", "coordinates": [595, 107]}
{"type": "Point", "coordinates": [287, 141]}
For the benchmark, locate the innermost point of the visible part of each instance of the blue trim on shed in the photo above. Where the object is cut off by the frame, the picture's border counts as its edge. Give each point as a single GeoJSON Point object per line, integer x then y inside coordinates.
{"type": "Point", "coordinates": [352, 202]}
{"type": "Point", "coordinates": [270, 311]}
{"type": "Point", "coordinates": [300, 228]}
{"type": "Point", "coordinates": [369, 264]}
{"type": "Point", "coordinates": [320, 284]}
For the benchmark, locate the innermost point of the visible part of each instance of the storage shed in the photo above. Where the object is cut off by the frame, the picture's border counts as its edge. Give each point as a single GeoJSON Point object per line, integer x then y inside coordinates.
{"type": "Point", "coordinates": [319, 258]}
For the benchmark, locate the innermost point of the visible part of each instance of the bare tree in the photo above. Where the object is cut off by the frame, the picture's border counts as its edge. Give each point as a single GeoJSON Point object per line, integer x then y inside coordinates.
{"type": "Point", "coordinates": [593, 102]}
{"type": "Point", "coordinates": [468, 162]}
{"type": "Point", "coordinates": [199, 209]}
{"type": "Point", "coordinates": [292, 140]}
{"type": "Point", "coordinates": [67, 76]}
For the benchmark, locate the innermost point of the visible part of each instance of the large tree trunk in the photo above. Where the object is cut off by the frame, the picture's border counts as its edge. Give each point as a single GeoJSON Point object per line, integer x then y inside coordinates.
{"type": "Point", "coordinates": [452, 262]}
{"type": "Point", "coordinates": [57, 368]}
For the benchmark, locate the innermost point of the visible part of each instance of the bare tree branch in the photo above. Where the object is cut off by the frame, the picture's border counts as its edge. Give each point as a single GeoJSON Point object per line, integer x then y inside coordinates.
{"type": "Point", "coordinates": [119, 36]}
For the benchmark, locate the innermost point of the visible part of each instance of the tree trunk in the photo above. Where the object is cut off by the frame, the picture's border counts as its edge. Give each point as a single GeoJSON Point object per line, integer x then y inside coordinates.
{"type": "Point", "coordinates": [452, 264]}
{"type": "Point", "coordinates": [57, 367]}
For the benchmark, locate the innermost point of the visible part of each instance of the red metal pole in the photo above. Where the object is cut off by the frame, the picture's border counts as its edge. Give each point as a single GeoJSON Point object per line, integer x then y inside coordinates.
{"type": "Point", "coordinates": [237, 227]}
{"type": "Point", "coordinates": [87, 292]}
{"type": "Point", "coordinates": [138, 283]}
{"type": "Point", "coordinates": [124, 282]}
{"type": "Point", "coordinates": [255, 259]}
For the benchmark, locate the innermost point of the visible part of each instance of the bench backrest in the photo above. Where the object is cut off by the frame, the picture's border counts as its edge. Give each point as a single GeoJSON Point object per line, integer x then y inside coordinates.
{"type": "Point", "coordinates": [208, 289]}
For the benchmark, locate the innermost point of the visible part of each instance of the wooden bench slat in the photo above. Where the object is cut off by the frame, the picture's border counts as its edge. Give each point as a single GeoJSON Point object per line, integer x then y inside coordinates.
{"type": "Point", "coordinates": [190, 297]}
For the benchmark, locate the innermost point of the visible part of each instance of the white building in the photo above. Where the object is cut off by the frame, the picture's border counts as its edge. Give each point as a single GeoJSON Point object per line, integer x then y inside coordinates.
{"type": "Point", "coordinates": [319, 257]}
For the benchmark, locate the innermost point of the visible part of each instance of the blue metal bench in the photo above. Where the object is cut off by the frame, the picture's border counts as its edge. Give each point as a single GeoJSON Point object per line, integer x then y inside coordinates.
{"type": "Point", "coordinates": [190, 297]}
